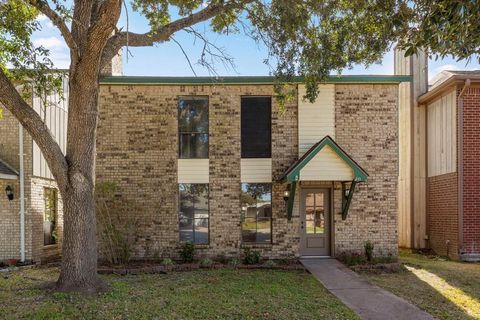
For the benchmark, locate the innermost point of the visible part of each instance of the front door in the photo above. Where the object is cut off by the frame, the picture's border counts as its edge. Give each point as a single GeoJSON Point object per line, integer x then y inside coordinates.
{"type": "Point", "coordinates": [315, 222]}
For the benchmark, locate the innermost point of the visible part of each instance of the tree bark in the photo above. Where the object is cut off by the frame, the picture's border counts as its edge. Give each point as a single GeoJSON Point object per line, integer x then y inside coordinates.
{"type": "Point", "coordinates": [79, 254]}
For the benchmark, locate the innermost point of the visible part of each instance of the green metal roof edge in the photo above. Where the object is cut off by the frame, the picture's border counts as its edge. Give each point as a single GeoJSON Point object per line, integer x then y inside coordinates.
{"type": "Point", "coordinates": [247, 79]}
{"type": "Point", "coordinates": [360, 174]}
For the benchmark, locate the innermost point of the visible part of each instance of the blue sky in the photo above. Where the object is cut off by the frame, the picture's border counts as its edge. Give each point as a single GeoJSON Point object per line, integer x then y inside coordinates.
{"type": "Point", "coordinates": [168, 60]}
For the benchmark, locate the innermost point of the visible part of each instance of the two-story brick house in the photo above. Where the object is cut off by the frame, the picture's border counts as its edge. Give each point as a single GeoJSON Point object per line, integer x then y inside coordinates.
{"type": "Point", "coordinates": [218, 162]}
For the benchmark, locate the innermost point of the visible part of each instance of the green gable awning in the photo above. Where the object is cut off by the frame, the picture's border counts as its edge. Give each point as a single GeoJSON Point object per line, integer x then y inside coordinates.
{"type": "Point", "coordinates": [293, 173]}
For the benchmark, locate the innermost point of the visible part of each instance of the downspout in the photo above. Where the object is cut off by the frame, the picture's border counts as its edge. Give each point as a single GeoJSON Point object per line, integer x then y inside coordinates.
{"type": "Point", "coordinates": [460, 164]}
{"type": "Point", "coordinates": [22, 194]}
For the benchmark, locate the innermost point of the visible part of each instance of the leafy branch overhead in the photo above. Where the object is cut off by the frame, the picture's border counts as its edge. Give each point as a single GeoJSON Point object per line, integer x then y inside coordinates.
{"type": "Point", "coordinates": [308, 38]}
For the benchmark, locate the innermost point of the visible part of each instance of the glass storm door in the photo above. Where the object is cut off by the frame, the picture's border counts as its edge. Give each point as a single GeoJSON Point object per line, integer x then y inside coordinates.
{"type": "Point", "coordinates": [315, 222]}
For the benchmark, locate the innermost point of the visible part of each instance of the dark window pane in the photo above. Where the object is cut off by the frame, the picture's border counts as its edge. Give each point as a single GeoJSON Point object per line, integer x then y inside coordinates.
{"type": "Point", "coordinates": [256, 212]}
{"type": "Point", "coordinates": [194, 212]}
{"type": "Point", "coordinates": [193, 145]}
{"type": "Point", "coordinates": [256, 125]}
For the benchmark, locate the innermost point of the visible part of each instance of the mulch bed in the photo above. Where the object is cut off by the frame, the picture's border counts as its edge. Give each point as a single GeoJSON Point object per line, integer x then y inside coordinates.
{"type": "Point", "coordinates": [141, 267]}
{"type": "Point", "coordinates": [379, 268]}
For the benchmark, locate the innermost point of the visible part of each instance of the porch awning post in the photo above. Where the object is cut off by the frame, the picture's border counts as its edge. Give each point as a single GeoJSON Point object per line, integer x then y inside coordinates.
{"type": "Point", "coordinates": [346, 200]}
{"type": "Point", "coordinates": [291, 200]}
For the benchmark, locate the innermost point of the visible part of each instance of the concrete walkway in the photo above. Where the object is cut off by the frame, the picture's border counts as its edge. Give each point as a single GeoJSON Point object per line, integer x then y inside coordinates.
{"type": "Point", "coordinates": [368, 301]}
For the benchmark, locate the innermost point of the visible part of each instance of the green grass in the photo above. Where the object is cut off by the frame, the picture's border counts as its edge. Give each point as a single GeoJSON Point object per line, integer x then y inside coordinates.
{"type": "Point", "coordinates": [203, 294]}
{"type": "Point", "coordinates": [445, 289]}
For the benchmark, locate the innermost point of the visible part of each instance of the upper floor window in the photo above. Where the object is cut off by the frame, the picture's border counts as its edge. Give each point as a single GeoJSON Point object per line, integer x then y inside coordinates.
{"type": "Point", "coordinates": [256, 201]}
{"type": "Point", "coordinates": [50, 232]}
{"type": "Point", "coordinates": [193, 127]}
{"type": "Point", "coordinates": [256, 122]}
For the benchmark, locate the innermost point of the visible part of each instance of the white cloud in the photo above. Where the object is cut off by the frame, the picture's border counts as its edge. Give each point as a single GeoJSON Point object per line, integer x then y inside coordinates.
{"type": "Point", "coordinates": [52, 43]}
{"type": "Point", "coordinates": [45, 21]}
{"type": "Point", "coordinates": [41, 18]}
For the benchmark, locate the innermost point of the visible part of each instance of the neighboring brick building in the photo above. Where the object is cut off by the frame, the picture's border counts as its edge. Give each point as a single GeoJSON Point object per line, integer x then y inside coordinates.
{"type": "Point", "coordinates": [453, 152]}
{"type": "Point", "coordinates": [448, 162]}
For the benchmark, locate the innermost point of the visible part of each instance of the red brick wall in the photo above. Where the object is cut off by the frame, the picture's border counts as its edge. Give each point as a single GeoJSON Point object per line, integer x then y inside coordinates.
{"type": "Point", "coordinates": [471, 165]}
{"type": "Point", "coordinates": [442, 214]}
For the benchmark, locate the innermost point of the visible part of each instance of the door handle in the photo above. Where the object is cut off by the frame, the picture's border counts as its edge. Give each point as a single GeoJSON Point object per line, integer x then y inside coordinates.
{"type": "Point", "coordinates": [301, 226]}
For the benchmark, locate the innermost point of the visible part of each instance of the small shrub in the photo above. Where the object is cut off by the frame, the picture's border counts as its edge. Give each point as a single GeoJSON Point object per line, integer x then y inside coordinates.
{"type": "Point", "coordinates": [206, 263]}
{"type": "Point", "coordinates": [270, 264]}
{"type": "Point", "coordinates": [167, 262]}
{"type": "Point", "coordinates": [117, 224]}
{"type": "Point", "coordinates": [251, 257]}
{"type": "Point", "coordinates": [369, 250]}
{"type": "Point", "coordinates": [187, 252]}
{"type": "Point", "coordinates": [222, 259]}
{"type": "Point", "coordinates": [234, 263]}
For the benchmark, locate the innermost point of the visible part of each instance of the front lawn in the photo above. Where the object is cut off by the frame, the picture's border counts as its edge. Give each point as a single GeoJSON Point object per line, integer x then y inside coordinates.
{"type": "Point", "coordinates": [445, 289]}
{"type": "Point", "coordinates": [202, 294]}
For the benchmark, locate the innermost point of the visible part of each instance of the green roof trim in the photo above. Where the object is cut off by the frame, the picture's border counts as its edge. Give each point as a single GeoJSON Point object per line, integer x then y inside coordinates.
{"type": "Point", "coordinates": [122, 80]}
{"type": "Point", "coordinates": [293, 173]}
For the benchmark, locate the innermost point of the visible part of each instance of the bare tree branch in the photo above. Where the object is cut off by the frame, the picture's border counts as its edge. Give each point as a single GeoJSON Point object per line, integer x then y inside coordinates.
{"type": "Point", "coordinates": [214, 52]}
{"type": "Point", "coordinates": [57, 21]}
{"type": "Point", "coordinates": [164, 33]}
{"type": "Point", "coordinates": [33, 123]}
{"type": "Point", "coordinates": [185, 54]}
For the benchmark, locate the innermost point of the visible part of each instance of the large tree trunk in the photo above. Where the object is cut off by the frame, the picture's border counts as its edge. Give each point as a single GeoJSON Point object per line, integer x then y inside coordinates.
{"type": "Point", "coordinates": [79, 254]}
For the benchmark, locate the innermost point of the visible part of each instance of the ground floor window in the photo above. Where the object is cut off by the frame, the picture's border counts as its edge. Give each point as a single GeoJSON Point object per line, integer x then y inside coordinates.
{"type": "Point", "coordinates": [50, 235]}
{"type": "Point", "coordinates": [194, 213]}
{"type": "Point", "coordinates": [256, 215]}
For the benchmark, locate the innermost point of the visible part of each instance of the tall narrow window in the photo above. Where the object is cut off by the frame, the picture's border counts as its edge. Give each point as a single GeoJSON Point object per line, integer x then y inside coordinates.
{"type": "Point", "coordinates": [194, 213]}
{"type": "Point", "coordinates": [50, 235]}
{"type": "Point", "coordinates": [256, 122]}
{"type": "Point", "coordinates": [256, 212]}
{"type": "Point", "coordinates": [193, 127]}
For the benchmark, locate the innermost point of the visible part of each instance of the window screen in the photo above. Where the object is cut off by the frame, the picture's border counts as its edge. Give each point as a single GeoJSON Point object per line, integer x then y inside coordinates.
{"type": "Point", "coordinates": [256, 121]}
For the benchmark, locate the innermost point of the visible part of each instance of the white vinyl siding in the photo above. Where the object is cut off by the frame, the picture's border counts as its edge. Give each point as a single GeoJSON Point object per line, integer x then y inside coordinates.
{"type": "Point", "coordinates": [256, 170]}
{"type": "Point", "coordinates": [55, 116]}
{"type": "Point", "coordinates": [442, 135]}
{"type": "Point", "coordinates": [193, 170]}
{"type": "Point", "coordinates": [327, 165]}
{"type": "Point", "coordinates": [315, 120]}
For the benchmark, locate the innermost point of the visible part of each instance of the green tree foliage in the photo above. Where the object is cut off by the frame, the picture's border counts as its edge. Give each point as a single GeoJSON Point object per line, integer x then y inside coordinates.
{"type": "Point", "coordinates": [444, 27]}
{"type": "Point", "coordinates": [20, 60]}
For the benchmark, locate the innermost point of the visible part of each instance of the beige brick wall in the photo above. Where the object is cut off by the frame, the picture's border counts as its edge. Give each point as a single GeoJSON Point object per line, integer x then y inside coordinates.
{"type": "Point", "coordinates": [137, 149]}
{"type": "Point", "coordinates": [34, 203]}
{"type": "Point", "coordinates": [10, 210]}
{"type": "Point", "coordinates": [366, 127]}
{"type": "Point", "coordinates": [9, 222]}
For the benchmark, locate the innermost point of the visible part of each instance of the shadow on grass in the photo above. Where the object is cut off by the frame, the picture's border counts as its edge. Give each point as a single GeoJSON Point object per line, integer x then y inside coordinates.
{"type": "Point", "coordinates": [445, 289]}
